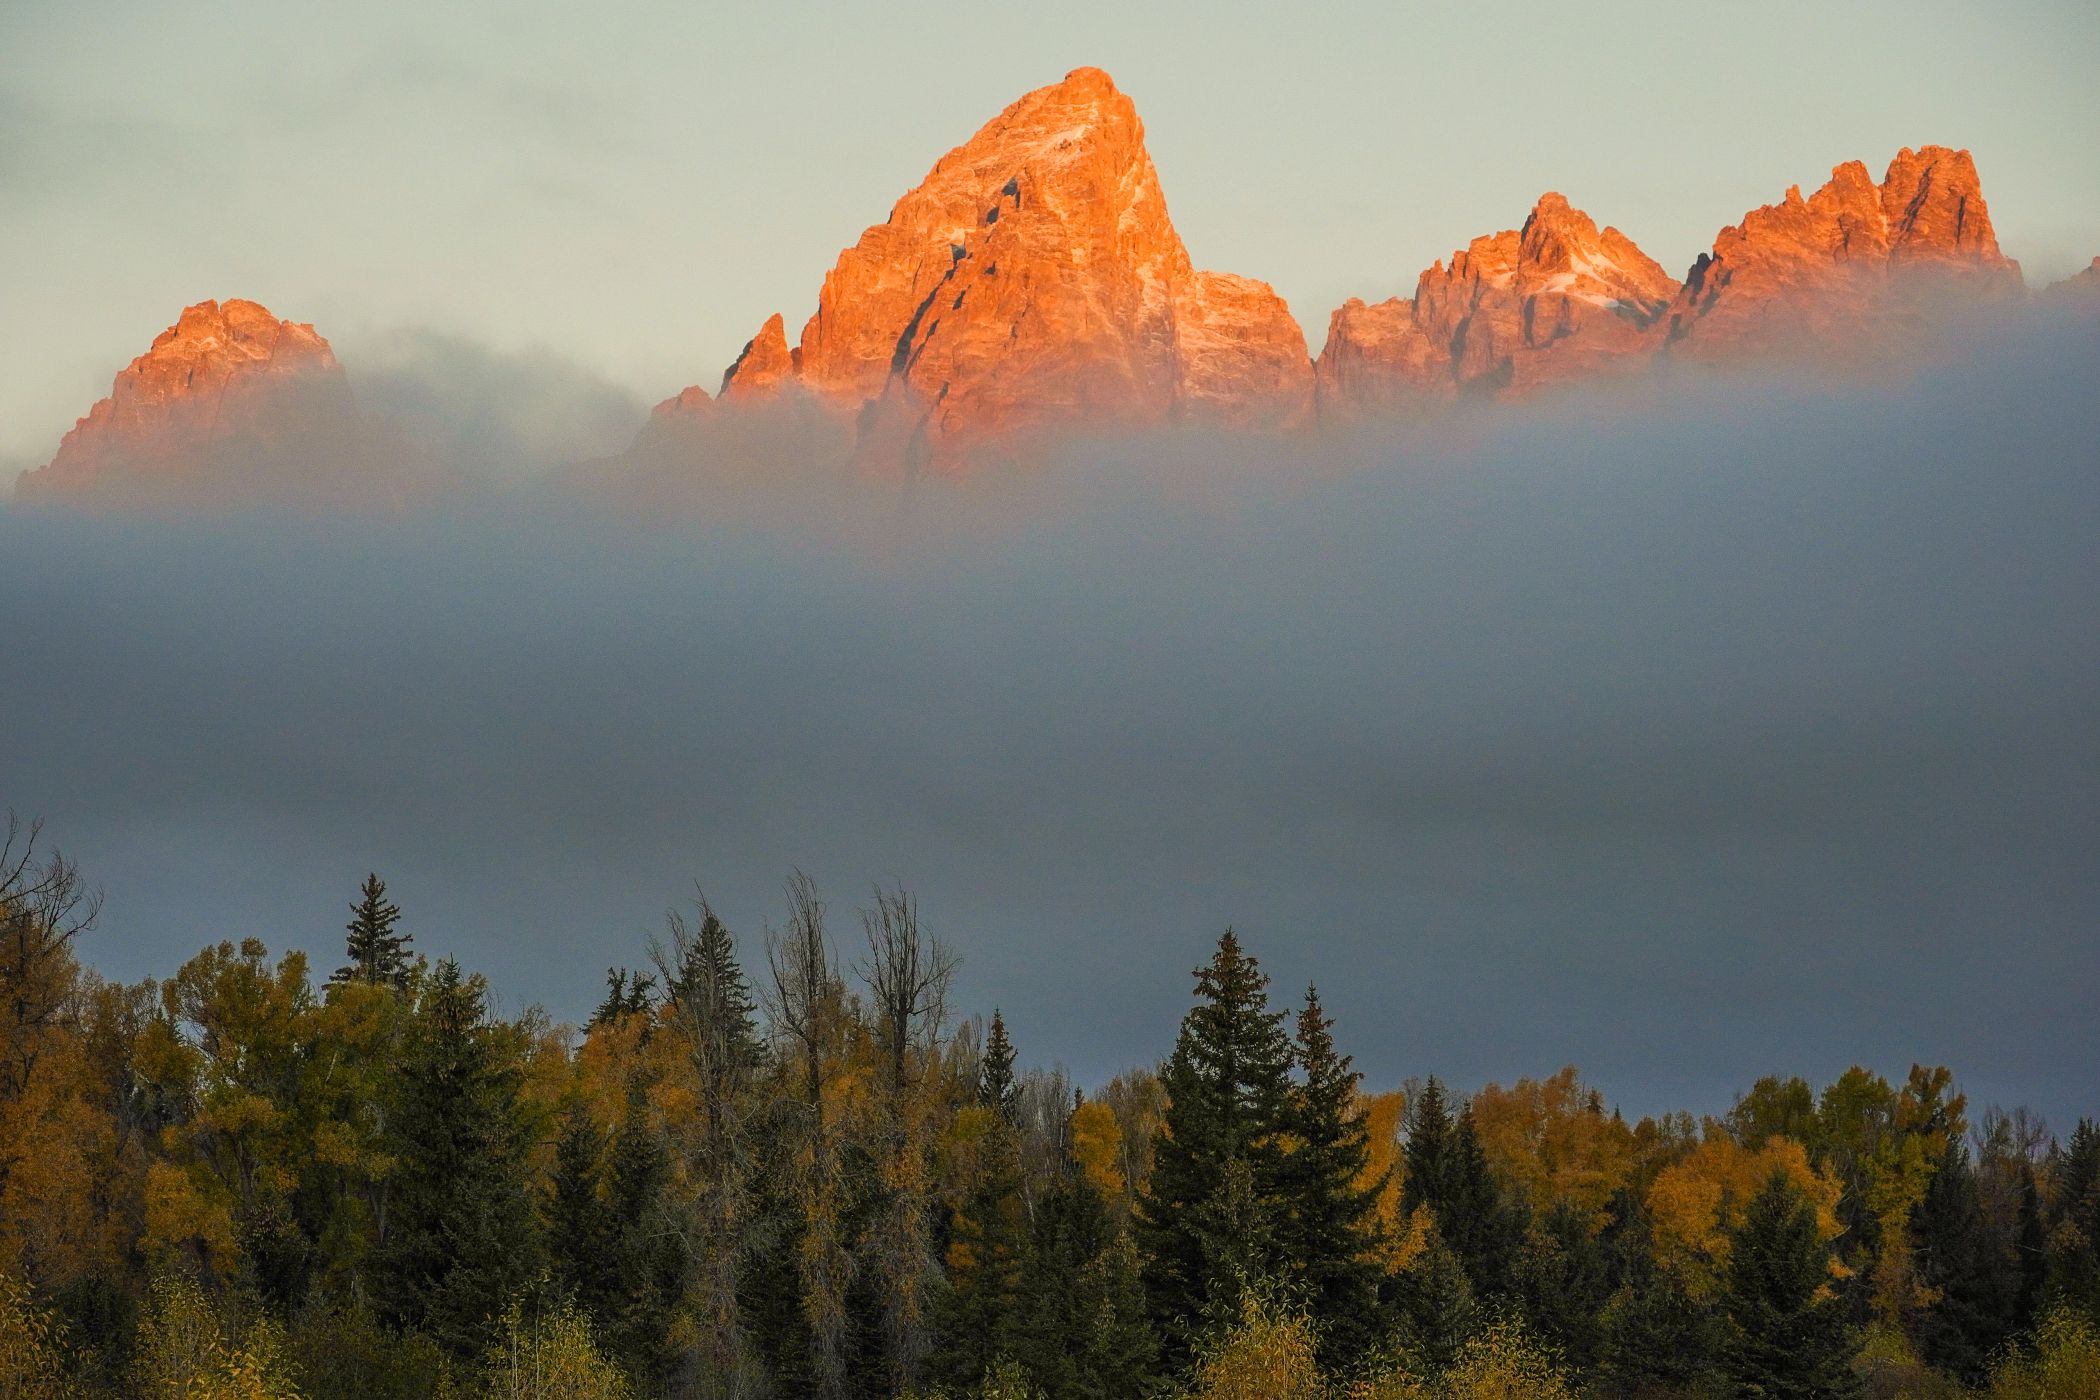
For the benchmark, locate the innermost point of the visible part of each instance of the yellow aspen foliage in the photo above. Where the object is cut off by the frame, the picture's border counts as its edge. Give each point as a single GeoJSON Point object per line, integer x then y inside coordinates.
{"type": "Point", "coordinates": [1267, 1355]}
{"type": "Point", "coordinates": [1699, 1201]}
{"type": "Point", "coordinates": [1554, 1139]}
{"type": "Point", "coordinates": [32, 1353]}
{"type": "Point", "coordinates": [1406, 1242]}
{"type": "Point", "coordinates": [1383, 1159]}
{"type": "Point", "coordinates": [1097, 1145]}
{"type": "Point", "coordinates": [1502, 1363]}
{"type": "Point", "coordinates": [2063, 1364]}
{"type": "Point", "coordinates": [186, 1219]}
{"type": "Point", "coordinates": [63, 1167]}
{"type": "Point", "coordinates": [185, 1351]}
{"type": "Point", "coordinates": [550, 1354]}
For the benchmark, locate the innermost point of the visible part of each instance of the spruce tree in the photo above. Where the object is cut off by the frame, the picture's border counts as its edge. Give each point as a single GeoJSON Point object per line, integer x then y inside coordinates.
{"type": "Point", "coordinates": [981, 1312]}
{"type": "Point", "coordinates": [1970, 1274]}
{"type": "Point", "coordinates": [377, 950]}
{"type": "Point", "coordinates": [1228, 1100]}
{"type": "Point", "coordinates": [1786, 1329]}
{"type": "Point", "coordinates": [706, 984]}
{"type": "Point", "coordinates": [649, 1261]}
{"type": "Point", "coordinates": [614, 1006]}
{"type": "Point", "coordinates": [461, 1237]}
{"type": "Point", "coordinates": [1082, 1332]}
{"type": "Point", "coordinates": [1657, 1338]}
{"type": "Point", "coordinates": [1566, 1281]}
{"type": "Point", "coordinates": [1435, 1306]}
{"type": "Point", "coordinates": [1330, 1225]}
{"type": "Point", "coordinates": [996, 1087]}
{"type": "Point", "coordinates": [1447, 1172]}
{"type": "Point", "coordinates": [580, 1242]}
{"type": "Point", "coordinates": [2074, 1227]}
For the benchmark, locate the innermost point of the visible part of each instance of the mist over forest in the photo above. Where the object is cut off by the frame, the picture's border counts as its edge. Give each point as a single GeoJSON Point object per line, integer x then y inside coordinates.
{"type": "Point", "coordinates": [1645, 728]}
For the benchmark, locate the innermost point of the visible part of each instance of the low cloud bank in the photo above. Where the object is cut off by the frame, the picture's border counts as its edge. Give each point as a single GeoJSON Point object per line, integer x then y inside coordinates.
{"type": "Point", "coordinates": [1687, 731]}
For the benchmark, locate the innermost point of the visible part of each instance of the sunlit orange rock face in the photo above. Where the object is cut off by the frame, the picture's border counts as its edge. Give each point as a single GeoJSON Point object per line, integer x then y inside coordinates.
{"type": "Point", "coordinates": [1558, 299]}
{"type": "Point", "coordinates": [764, 366]}
{"type": "Point", "coordinates": [1849, 268]}
{"type": "Point", "coordinates": [1033, 282]}
{"type": "Point", "coordinates": [230, 402]}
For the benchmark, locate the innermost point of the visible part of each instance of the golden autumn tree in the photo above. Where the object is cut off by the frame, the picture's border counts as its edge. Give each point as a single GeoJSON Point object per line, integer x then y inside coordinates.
{"type": "Point", "coordinates": [1554, 1139]}
{"type": "Point", "coordinates": [1697, 1204]}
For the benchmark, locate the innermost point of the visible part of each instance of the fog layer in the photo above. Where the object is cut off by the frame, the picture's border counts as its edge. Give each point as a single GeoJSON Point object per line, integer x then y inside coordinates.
{"type": "Point", "coordinates": [1725, 729]}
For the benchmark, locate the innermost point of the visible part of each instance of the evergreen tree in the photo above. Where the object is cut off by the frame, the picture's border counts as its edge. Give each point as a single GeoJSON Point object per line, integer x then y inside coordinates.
{"type": "Point", "coordinates": [1427, 1151]}
{"type": "Point", "coordinates": [1434, 1304]}
{"type": "Point", "coordinates": [460, 1235]}
{"type": "Point", "coordinates": [378, 951]}
{"type": "Point", "coordinates": [1082, 1332]}
{"type": "Point", "coordinates": [1656, 1337]}
{"type": "Point", "coordinates": [996, 1087]}
{"type": "Point", "coordinates": [726, 1202]}
{"type": "Point", "coordinates": [1787, 1334]}
{"type": "Point", "coordinates": [1330, 1226]}
{"type": "Point", "coordinates": [1970, 1273]}
{"type": "Point", "coordinates": [2074, 1229]}
{"type": "Point", "coordinates": [649, 1261]}
{"type": "Point", "coordinates": [1447, 1172]}
{"type": "Point", "coordinates": [1566, 1278]}
{"type": "Point", "coordinates": [641, 995]}
{"type": "Point", "coordinates": [981, 1313]}
{"type": "Point", "coordinates": [705, 982]}
{"type": "Point", "coordinates": [614, 1006]}
{"type": "Point", "coordinates": [1228, 1100]}
{"type": "Point", "coordinates": [580, 1239]}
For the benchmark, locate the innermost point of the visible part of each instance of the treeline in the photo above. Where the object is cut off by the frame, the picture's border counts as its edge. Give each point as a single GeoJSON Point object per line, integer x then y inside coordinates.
{"type": "Point", "coordinates": [787, 1168]}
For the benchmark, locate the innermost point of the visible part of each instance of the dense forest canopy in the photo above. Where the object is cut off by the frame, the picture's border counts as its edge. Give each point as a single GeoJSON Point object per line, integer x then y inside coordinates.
{"type": "Point", "coordinates": [786, 1164]}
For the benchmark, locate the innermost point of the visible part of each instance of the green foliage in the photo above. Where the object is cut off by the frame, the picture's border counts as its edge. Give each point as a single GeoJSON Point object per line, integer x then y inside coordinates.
{"type": "Point", "coordinates": [377, 949]}
{"type": "Point", "coordinates": [996, 1088]}
{"type": "Point", "coordinates": [32, 1346]}
{"type": "Point", "coordinates": [2063, 1363]}
{"type": "Point", "coordinates": [461, 1236]}
{"type": "Point", "coordinates": [1329, 1229]}
{"type": "Point", "coordinates": [1204, 1222]}
{"type": "Point", "coordinates": [188, 1351]}
{"type": "Point", "coordinates": [1787, 1333]}
{"type": "Point", "coordinates": [1447, 1173]}
{"type": "Point", "coordinates": [548, 1354]}
{"type": "Point", "coordinates": [345, 1354]}
{"type": "Point", "coordinates": [1082, 1331]}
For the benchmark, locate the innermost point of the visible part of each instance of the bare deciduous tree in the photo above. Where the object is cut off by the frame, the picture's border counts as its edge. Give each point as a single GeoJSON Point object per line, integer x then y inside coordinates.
{"type": "Point", "coordinates": [44, 906]}
{"type": "Point", "coordinates": [908, 975]}
{"type": "Point", "coordinates": [805, 1003]}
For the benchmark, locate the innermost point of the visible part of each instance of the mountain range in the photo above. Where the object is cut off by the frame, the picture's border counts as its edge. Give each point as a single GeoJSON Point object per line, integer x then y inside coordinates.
{"type": "Point", "coordinates": [1033, 286]}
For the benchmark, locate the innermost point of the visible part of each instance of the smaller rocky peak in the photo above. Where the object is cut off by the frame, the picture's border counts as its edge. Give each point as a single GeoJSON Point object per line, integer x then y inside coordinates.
{"type": "Point", "coordinates": [763, 366]}
{"type": "Point", "coordinates": [690, 400]}
{"type": "Point", "coordinates": [1932, 204]}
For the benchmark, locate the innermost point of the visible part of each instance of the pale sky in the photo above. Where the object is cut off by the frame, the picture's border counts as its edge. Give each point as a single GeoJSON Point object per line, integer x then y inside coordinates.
{"type": "Point", "coordinates": [634, 187]}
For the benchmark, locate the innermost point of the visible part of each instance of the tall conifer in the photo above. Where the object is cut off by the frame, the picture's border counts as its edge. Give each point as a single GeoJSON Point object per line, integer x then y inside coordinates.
{"type": "Point", "coordinates": [1330, 1231]}
{"type": "Point", "coordinates": [1228, 1100]}
{"type": "Point", "coordinates": [377, 949]}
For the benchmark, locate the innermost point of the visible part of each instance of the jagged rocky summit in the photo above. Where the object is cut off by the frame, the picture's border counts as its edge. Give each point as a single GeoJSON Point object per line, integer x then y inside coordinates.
{"type": "Point", "coordinates": [1032, 287]}
{"type": "Point", "coordinates": [229, 404]}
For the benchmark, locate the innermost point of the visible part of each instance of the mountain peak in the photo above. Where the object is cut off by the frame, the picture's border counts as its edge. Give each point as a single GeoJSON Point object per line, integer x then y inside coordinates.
{"type": "Point", "coordinates": [1855, 264]}
{"type": "Point", "coordinates": [1513, 310]}
{"type": "Point", "coordinates": [1034, 280]}
{"type": "Point", "coordinates": [764, 364]}
{"type": "Point", "coordinates": [228, 389]}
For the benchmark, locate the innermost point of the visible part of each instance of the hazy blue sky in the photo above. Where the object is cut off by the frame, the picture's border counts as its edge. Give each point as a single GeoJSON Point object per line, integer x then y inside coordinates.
{"type": "Point", "coordinates": [634, 187]}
